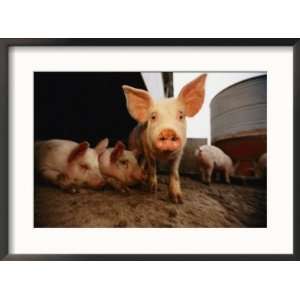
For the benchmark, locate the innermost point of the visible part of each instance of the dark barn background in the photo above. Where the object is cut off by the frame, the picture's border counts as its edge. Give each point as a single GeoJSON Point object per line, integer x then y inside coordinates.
{"type": "Point", "coordinates": [83, 105]}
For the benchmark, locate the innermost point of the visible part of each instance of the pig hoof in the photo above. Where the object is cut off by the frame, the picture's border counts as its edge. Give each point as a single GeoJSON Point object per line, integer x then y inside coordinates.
{"type": "Point", "coordinates": [126, 191]}
{"type": "Point", "coordinates": [70, 190]}
{"type": "Point", "coordinates": [74, 191]}
{"type": "Point", "coordinates": [153, 187]}
{"type": "Point", "coordinates": [176, 198]}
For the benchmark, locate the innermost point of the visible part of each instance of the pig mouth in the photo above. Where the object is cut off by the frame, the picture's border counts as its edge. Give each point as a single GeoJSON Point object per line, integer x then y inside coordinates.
{"type": "Point", "coordinates": [166, 154]}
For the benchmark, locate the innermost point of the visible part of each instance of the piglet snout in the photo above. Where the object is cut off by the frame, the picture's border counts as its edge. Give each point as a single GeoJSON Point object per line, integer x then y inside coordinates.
{"type": "Point", "coordinates": [95, 183]}
{"type": "Point", "coordinates": [138, 176]}
{"type": "Point", "coordinates": [142, 176]}
{"type": "Point", "coordinates": [168, 140]}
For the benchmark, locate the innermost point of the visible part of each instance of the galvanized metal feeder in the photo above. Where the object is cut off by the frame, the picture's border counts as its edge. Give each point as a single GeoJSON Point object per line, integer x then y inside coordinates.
{"type": "Point", "coordinates": [239, 122]}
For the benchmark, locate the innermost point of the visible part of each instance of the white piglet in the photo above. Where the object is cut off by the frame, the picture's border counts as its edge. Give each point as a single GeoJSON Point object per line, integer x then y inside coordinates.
{"type": "Point", "coordinates": [69, 165]}
{"type": "Point", "coordinates": [212, 158]}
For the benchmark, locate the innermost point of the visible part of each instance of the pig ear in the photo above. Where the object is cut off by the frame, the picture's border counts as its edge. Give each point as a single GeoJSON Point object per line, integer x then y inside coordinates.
{"type": "Point", "coordinates": [78, 151]}
{"type": "Point", "coordinates": [102, 145]}
{"type": "Point", "coordinates": [117, 151]}
{"type": "Point", "coordinates": [136, 153]}
{"type": "Point", "coordinates": [192, 95]}
{"type": "Point", "coordinates": [138, 103]}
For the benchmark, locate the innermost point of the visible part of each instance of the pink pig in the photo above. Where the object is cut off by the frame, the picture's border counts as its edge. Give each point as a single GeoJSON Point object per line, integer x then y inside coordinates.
{"type": "Point", "coordinates": [120, 167]}
{"type": "Point", "coordinates": [212, 158]}
{"type": "Point", "coordinates": [68, 164]}
{"type": "Point", "coordinates": [161, 132]}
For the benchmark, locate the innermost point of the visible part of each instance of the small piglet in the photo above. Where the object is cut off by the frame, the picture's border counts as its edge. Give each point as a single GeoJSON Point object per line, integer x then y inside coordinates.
{"type": "Point", "coordinates": [212, 158]}
{"type": "Point", "coordinates": [261, 166]}
{"type": "Point", "coordinates": [161, 132]}
{"type": "Point", "coordinates": [68, 164]}
{"type": "Point", "coordinates": [120, 167]}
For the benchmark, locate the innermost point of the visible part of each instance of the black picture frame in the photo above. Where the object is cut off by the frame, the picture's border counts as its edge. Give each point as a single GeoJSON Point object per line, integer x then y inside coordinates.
{"type": "Point", "coordinates": [5, 44]}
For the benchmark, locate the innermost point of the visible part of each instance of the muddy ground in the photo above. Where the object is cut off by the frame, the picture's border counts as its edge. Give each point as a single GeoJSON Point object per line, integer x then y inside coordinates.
{"type": "Point", "coordinates": [217, 205]}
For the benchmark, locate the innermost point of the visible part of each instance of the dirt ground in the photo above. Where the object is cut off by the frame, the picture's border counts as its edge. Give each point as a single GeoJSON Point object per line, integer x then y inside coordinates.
{"type": "Point", "coordinates": [217, 205]}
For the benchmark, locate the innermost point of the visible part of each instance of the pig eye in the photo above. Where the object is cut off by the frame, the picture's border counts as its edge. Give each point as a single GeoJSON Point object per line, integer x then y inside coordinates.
{"type": "Point", "coordinates": [153, 116]}
{"type": "Point", "coordinates": [84, 167]}
{"type": "Point", "coordinates": [124, 162]}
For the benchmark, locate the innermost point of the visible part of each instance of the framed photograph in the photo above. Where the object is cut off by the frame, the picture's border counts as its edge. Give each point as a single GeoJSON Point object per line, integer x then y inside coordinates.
{"type": "Point", "coordinates": [149, 149]}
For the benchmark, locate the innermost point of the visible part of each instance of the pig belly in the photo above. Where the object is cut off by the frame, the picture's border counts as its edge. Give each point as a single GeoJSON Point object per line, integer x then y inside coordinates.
{"type": "Point", "coordinates": [219, 167]}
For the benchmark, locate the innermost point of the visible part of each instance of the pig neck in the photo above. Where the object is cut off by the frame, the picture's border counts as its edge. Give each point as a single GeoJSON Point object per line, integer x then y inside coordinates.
{"type": "Point", "coordinates": [104, 162]}
{"type": "Point", "coordinates": [106, 166]}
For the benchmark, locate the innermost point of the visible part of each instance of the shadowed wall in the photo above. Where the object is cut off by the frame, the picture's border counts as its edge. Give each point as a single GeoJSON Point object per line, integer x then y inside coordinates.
{"type": "Point", "coordinates": [83, 105]}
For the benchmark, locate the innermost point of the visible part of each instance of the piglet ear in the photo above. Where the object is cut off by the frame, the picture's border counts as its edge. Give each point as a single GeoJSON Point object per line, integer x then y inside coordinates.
{"type": "Point", "coordinates": [78, 151]}
{"type": "Point", "coordinates": [117, 151]}
{"type": "Point", "coordinates": [102, 145]}
{"type": "Point", "coordinates": [138, 103]}
{"type": "Point", "coordinates": [136, 153]}
{"type": "Point", "coordinates": [192, 95]}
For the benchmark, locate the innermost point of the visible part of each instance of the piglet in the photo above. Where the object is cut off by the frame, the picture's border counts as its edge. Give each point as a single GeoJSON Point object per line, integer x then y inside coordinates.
{"type": "Point", "coordinates": [212, 158]}
{"type": "Point", "coordinates": [120, 167]}
{"type": "Point", "coordinates": [69, 165]}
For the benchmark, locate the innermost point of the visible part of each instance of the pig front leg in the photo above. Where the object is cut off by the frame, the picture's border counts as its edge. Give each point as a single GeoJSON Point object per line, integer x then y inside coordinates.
{"type": "Point", "coordinates": [174, 187]}
{"type": "Point", "coordinates": [152, 177]}
{"type": "Point", "coordinates": [227, 176]}
{"type": "Point", "coordinates": [209, 172]}
{"type": "Point", "coordinates": [202, 175]}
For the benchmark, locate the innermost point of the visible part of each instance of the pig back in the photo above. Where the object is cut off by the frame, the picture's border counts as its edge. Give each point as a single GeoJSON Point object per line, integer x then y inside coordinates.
{"type": "Point", "coordinates": [52, 154]}
{"type": "Point", "coordinates": [215, 155]}
{"type": "Point", "coordinates": [221, 158]}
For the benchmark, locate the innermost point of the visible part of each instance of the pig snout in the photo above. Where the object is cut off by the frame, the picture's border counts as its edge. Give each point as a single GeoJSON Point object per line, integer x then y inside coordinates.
{"type": "Point", "coordinates": [140, 175]}
{"type": "Point", "coordinates": [96, 183]}
{"type": "Point", "coordinates": [168, 140]}
{"type": "Point", "coordinates": [136, 177]}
